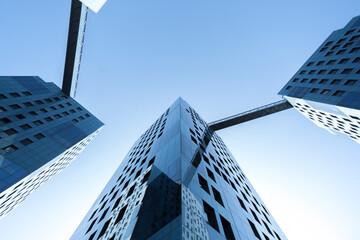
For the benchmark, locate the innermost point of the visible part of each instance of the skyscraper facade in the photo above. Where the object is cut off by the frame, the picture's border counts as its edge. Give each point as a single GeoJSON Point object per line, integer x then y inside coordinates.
{"type": "Point", "coordinates": [42, 131]}
{"type": "Point", "coordinates": [326, 89]}
{"type": "Point", "coordinates": [178, 181]}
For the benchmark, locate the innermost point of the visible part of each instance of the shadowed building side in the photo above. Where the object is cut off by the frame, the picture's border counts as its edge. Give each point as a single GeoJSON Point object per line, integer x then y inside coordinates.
{"type": "Point", "coordinates": [75, 42]}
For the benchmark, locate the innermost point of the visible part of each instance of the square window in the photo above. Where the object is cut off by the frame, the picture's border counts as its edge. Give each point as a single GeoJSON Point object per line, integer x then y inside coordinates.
{"type": "Point", "coordinates": [210, 216]}
{"type": "Point", "coordinates": [338, 93]}
{"type": "Point", "coordinates": [313, 80]}
{"type": "Point", "coordinates": [210, 174]}
{"type": "Point", "coordinates": [341, 40]}
{"type": "Point", "coordinates": [20, 116]}
{"type": "Point", "coordinates": [10, 148]}
{"type": "Point", "coordinates": [328, 43]}
{"type": "Point", "coordinates": [203, 184]}
{"type": "Point", "coordinates": [344, 60]}
{"type": "Point", "coordinates": [217, 196]}
{"type": "Point", "coordinates": [325, 91]}
{"type": "Point", "coordinates": [320, 63]}
{"type": "Point", "coordinates": [27, 93]}
{"type": "Point", "coordinates": [349, 32]}
{"type": "Point", "coordinates": [314, 90]}
{"type": "Point", "coordinates": [229, 234]}
{"type": "Point", "coordinates": [28, 104]}
{"type": "Point", "coordinates": [241, 203]}
{"type": "Point", "coordinates": [355, 50]}
{"type": "Point", "coordinates": [2, 96]}
{"type": "Point", "coordinates": [39, 136]}
{"type": "Point", "coordinates": [330, 62]}
{"type": "Point", "coordinates": [342, 51]}
{"type": "Point", "coordinates": [335, 82]}
{"type": "Point", "coordinates": [256, 233]}
{"type": "Point", "coordinates": [350, 82]}
{"type": "Point", "coordinates": [49, 119]}
{"type": "Point", "coordinates": [14, 94]}
{"type": "Point", "coordinates": [10, 131]}
{"type": "Point", "coordinates": [151, 162]}
{"type": "Point", "coordinates": [121, 214]}
{"type": "Point", "coordinates": [354, 38]}
{"type": "Point", "coordinates": [104, 228]}
{"type": "Point", "coordinates": [347, 71]}
{"type": "Point", "coordinates": [5, 120]}
{"type": "Point", "coordinates": [312, 72]}
{"type": "Point", "coordinates": [333, 71]}
{"type": "Point", "coordinates": [356, 60]}
{"type": "Point", "coordinates": [25, 126]}
{"type": "Point", "coordinates": [2, 109]}
{"type": "Point", "coordinates": [38, 122]}
{"type": "Point", "coordinates": [323, 81]}
{"type": "Point", "coordinates": [26, 141]}
{"type": "Point", "coordinates": [348, 45]}
{"type": "Point", "coordinates": [14, 106]}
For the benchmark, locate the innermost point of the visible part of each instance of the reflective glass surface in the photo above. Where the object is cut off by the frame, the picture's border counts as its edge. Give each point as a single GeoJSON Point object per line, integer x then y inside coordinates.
{"type": "Point", "coordinates": [42, 130]}
{"type": "Point", "coordinates": [179, 181]}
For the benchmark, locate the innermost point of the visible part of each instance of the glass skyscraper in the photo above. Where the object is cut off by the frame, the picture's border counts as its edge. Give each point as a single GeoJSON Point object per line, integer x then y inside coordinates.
{"type": "Point", "coordinates": [326, 89]}
{"type": "Point", "coordinates": [178, 181]}
{"type": "Point", "coordinates": [42, 131]}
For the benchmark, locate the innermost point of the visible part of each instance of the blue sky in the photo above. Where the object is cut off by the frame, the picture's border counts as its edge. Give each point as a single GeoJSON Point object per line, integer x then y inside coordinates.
{"type": "Point", "coordinates": [223, 57]}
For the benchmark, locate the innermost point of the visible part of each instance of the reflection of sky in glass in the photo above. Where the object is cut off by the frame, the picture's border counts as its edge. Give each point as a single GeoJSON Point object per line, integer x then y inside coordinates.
{"type": "Point", "coordinates": [221, 57]}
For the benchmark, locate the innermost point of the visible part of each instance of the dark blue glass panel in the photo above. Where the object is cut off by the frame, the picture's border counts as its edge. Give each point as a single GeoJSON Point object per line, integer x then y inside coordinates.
{"type": "Point", "coordinates": [356, 24]}
{"type": "Point", "coordinates": [10, 173]}
{"type": "Point", "coordinates": [161, 205]}
{"type": "Point", "coordinates": [33, 86]}
{"type": "Point", "coordinates": [352, 100]}
{"type": "Point", "coordinates": [299, 92]}
{"type": "Point", "coordinates": [66, 134]}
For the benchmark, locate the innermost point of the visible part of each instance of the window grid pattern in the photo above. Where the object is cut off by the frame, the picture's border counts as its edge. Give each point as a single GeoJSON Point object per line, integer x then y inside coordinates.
{"type": "Point", "coordinates": [331, 76]}
{"type": "Point", "coordinates": [168, 151]}
{"type": "Point", "coordinates": [36, 128]}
